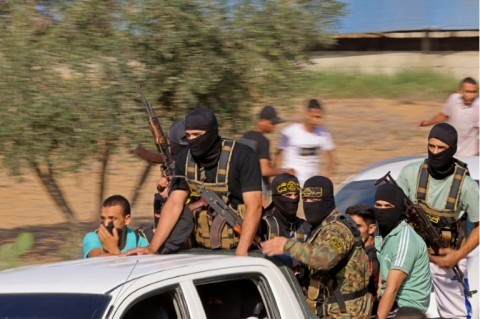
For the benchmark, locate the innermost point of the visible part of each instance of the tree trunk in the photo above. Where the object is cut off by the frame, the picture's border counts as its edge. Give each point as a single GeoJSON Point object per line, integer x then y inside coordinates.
{"type": "Point", "coordinates": [140, 183]}
{"type": "Point", "coordinates": [49, 182]}
{"type": "Point", "coordinates": [103, 175]}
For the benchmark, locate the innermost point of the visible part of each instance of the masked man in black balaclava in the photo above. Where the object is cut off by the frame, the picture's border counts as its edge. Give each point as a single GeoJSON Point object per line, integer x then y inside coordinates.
{"type": "Point", "coordinates": [333, 253]}
{"type": "Point", "coordinates": [280, 217]}
{"type": "Point", "coordinates": [405, 279]}
{"type": "Point", "coordinates": [230, 169]}
{"type": "Point", "coordinates": [441, 186]}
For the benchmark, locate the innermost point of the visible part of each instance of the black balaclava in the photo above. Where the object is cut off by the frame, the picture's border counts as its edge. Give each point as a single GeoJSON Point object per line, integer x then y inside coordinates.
{"type": "Point", "coordinates": [389, 218]}
{"type": "Point", "coordinates": [318, 187]}
{"type": "Point", "coordinates": [281, 184]}
{"type": "Point", "coordinates": [442, 164]}
{"type": "Point", "coordinates": [206, 148]}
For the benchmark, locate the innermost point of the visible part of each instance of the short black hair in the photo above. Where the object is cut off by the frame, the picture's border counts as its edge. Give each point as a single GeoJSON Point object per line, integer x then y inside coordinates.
{"type": "Point", "coordinates": [119, 200]}
{"type": "Point", "coordinates": [314, 104]}
{"type": "Point", "coordinates": [363, 211]}
{"type": "Point", "coordinates": [468, 80]}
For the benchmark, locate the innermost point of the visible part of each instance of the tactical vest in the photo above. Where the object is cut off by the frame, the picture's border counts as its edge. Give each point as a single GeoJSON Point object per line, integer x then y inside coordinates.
{"type": "Point", "coordinates": [210, 233]}
{"type": "Point", "coordinates": [443, 219]}
{"type": "Point", "coordinates": [300, 232]}
{"type": "Point", "coordinates": [321, 281]}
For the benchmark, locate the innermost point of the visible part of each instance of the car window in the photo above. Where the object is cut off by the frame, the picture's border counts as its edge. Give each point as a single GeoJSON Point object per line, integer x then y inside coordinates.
{"type": "Point", "coordinates": [239, 298]}
{"type": "Point", "coordinates": [54, 305]}
{"type": "Point", "coordinates": [359, 192]}
{"type": "Point", "coordinates": [164, 304]}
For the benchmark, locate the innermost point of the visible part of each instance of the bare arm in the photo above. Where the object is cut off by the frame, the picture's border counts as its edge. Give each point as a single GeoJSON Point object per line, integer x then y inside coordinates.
{"type": "Point", "coordinates": [331, 163]}
{"type": "Point", "coordinates": [450, 257]}
{"type": "Point", "coordinates": [440, 117]}
{"type": "Point", "coordinates": [277, 157]}
{"type": "Point", "coordinates": [171, 212]}
{"type": "Point", "coordinates": [395, 279]}
{"type": "Point", "coordinates": [253, 212]}
{"type": "Point", "coordinates": [268, 170]}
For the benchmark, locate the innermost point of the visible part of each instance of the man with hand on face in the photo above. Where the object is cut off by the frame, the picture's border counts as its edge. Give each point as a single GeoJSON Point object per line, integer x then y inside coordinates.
{"type": "Point", "coordinates": [230, 169]}
{"type": "Point", "coordinates": [405, 279]}
{"type": "Point", "coordinates": [441, 186]}
{"type": "Point", "coordinates": [107, 240]}
{"type": "Point", "coordinates": [333, 253]}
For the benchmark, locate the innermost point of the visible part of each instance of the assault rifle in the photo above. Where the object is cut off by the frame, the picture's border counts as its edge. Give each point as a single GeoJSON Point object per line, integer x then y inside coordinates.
{"type": "Point", "coordinates": [219, 211]}
{"type": "Point", "coordinates": [163, 157]}
{"type": "Point", "coordinates": [430, 234]}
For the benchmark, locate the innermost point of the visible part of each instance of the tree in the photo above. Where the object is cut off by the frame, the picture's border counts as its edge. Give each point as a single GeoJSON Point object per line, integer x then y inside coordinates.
{"type": "Point", "coordinates": [225, 54]}
{"type": "Point", "coordinates": [68, 71]}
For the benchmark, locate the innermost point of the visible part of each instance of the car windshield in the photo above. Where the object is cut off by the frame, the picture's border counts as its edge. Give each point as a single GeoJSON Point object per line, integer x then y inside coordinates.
{"type": "Point", "coordinates": [53, 306]}
{"type": "Point", "coordinates": [360, 192]}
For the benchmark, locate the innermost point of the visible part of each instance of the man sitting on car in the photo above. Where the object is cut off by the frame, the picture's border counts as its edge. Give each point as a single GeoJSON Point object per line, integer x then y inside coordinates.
{"type": "Point", "coordinates": [113, 236]}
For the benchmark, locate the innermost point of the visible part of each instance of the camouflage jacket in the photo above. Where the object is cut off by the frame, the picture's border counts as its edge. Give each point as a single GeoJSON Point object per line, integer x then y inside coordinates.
{"type": "Point", "coordinates": [326, 254]}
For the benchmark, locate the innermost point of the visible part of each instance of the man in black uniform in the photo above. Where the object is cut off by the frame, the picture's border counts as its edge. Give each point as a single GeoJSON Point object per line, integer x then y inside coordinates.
{"type": "Point", "coordinates": [239, 183]}
{"type": "Point", "coordinates": [256, 139]}
{"type": "Point", "coordinates": [280, 217]}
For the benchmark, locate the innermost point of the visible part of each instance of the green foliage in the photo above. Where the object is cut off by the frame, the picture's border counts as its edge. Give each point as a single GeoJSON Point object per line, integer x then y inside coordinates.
{"type": "Point", "coordinates": [418, 84]}
{"type": "Point", "coordinates": [11, 252]}
{"type": "Point", "coordinates": [68, 71]}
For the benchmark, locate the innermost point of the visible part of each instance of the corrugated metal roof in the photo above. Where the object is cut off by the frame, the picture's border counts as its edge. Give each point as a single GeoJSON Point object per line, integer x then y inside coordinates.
{"type": "Point", "coordinates": [370, 16]}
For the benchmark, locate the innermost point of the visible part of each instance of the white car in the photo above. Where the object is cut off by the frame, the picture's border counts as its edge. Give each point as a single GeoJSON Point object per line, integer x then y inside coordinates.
{"type": "Point", "coordinates": [360, 189]}
{"type": "Point", "coordinates": [195, 285]}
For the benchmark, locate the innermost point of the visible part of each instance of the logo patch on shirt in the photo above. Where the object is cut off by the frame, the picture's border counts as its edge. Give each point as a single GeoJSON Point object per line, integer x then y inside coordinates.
{"type": "Point", "coordinates": [336, 243]}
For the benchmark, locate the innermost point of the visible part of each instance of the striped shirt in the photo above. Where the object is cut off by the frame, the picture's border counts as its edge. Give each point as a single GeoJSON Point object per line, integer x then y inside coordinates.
{"type": "Point", "coordinates": [403, 249]}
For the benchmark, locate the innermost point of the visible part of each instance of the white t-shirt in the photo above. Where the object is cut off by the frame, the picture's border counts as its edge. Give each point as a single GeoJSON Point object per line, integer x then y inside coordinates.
{"type": "Point", "coordinates": [301, 149]}
{"type": "Point", "coordinates": [464, 118]}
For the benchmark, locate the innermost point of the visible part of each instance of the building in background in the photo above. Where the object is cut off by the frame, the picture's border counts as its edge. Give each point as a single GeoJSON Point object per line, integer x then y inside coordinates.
{"type": "Point", "coordinates": [387, 36]}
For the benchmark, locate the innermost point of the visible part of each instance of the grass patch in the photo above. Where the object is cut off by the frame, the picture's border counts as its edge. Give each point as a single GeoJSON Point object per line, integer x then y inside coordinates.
{"type": "Point", "coordinates": [406, 85]}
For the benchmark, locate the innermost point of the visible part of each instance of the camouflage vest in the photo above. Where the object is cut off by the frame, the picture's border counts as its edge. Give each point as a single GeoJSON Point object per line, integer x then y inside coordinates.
{"type": "Point", "coordinates": [443, 219]}
{"type": "Point", "coordinates": [319, 281]}
{"type": "Point", "coordinates": [210, 232]}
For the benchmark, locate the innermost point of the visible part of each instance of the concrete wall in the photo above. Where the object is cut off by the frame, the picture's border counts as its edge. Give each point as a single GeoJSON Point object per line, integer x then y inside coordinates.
{"type": "Point", "coordinates": [457, 64]}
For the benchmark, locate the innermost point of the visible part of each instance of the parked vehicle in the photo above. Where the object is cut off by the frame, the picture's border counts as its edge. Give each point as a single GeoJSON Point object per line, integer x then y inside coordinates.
{"type": "Point", "coordinates": [194, 285]}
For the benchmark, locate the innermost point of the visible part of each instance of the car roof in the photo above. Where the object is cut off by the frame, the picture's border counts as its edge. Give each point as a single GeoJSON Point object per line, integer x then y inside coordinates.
{"type": "Point", "coordinates": [394, 165]}
{"type": "Point", "coordinates": [103, 274]}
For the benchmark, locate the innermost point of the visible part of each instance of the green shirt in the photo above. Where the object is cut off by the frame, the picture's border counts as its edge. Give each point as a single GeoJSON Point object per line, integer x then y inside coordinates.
{"type": "Point", "coordinates": [403, 249]}
{"type": "Point", "coordinates": [438, 190]}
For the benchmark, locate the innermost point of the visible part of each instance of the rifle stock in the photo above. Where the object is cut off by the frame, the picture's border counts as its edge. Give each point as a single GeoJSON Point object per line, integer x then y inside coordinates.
{"type": "Point", "coordinates": [151, 157]}
{"type": "Point", "coordinates": [422, 225]}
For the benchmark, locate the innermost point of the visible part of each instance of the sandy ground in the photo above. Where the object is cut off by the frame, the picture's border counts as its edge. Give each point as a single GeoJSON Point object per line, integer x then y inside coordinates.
{"type": "Point", "coordinates": [364, 130]}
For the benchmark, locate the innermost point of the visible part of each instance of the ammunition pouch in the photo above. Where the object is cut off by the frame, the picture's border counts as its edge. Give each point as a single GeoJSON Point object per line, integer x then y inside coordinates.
{"type": "Point", "coordinates": [213, 232]}
{"type": "Point", "coordinates": [446, 225]}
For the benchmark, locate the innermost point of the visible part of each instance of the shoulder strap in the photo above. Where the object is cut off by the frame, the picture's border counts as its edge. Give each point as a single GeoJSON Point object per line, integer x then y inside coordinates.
{"type": "Point", "coordinates": [454, 194]}
{"type": "Point", "coordinates": [459, 174]}
{"type": "Point", "coordinates": [273, 228]}
{"type": "Point", "coordinates": [224, 161]}
{"type": "Point", "coordinates": [422, 185]}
